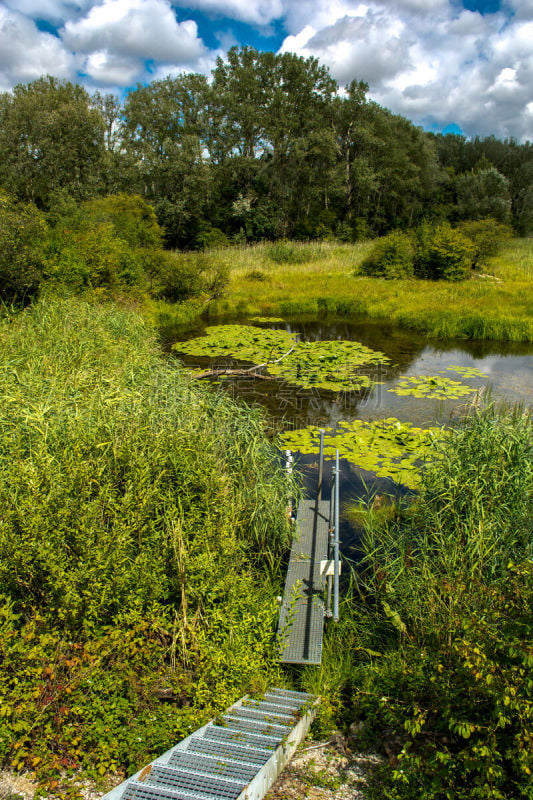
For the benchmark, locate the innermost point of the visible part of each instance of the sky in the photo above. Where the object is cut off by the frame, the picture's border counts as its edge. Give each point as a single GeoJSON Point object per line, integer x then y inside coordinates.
{"type": "Point", "coordinates": [448, 65]}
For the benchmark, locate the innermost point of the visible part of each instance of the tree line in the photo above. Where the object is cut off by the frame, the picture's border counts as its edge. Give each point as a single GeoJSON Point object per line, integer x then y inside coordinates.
{"type": "Point", "coordinates": [269, 147]}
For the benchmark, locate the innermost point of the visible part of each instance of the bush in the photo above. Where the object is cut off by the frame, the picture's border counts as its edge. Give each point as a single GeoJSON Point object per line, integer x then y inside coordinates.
{"type": "Point", "coordinates": [212, 238]}
{"type": "Point", "coordinates": [446, 620]}
{"type": "Point", "coordinates": [285, 252]}
{"type": "Point", "coordinates": [184, 275]}
{"type": "Point", "coordinates": [489, 237]}
{"type": "Point", "coordinates": [23, 233]}
{"type": "Point", "coordinates": [391, 257]}
{"type": "Point", "coordinates": [94, 257]}
{"type": "Point", "coordinates": [133, 219]}
{"type": "Point", "coordinates": [444, 254]}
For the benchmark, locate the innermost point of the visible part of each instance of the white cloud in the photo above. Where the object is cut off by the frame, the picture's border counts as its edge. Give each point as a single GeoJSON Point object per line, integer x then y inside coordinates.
{"type": "Point", "coordinates": [428, 59]}
{"type": "Point", "coordinates": [56, 11]}
{"type": "Point", "coordinates": [143, 29]}
{"type": "Point", "coordinates": [27, 53]}
{"type": "Point", "coordinates": [255, 12]}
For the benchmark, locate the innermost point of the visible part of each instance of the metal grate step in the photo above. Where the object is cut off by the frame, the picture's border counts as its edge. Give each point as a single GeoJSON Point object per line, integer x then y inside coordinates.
{"type": "Point", "coordinates": [227, 750]}
{"type": "Point", "coordinates": [262, 715]}
{"type": "Point", "coordinates": [237, 760]}
{"type": "Point", "coordinates": [182, 780]}
{"type": "Point", "coordinates": [210, 765]}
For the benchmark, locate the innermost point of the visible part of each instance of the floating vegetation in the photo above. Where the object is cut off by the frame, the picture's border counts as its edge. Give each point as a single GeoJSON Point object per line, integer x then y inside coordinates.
{"type": "Point", "coordinates": [244, 342]}
{"type": "Point", "coordinates": [431, 387]}
{"type": "Point", "coordinates": [387, 447]}
{"type": "Point", "coordinates": [332, 365]}
{"type": "Point", "coordinates": [468, 372]}
{"type": "Point", "coordinates": [267, 319]}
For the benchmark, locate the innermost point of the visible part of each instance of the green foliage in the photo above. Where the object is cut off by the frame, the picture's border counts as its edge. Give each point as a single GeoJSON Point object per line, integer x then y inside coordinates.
{"type": "Point", "coordinates": [285, 252]}
{"type": "Point", "coordinates": [431, 387]}
{"type": "Point", "coordinates": [444, 253]}
{"type": "Point", "coordinates": [444, 603]}
{"type": "Point", "coordinates": [333, 365]}
{"type": "Point", "coordinates": [93, 256]}
{"type": "Point", "coordinates": [387, 447]}
{"type": "Point", "coordinates": [133, 219]}
{"type": "Point", "coordinates": [50, 140]}
{"type": "Point", "coordinates": [23, 233]}
{"type": "Point", "coordinates": [142, 514]}
{"type": "Point", "coordinates": [489, 237]}
{"type": "Point", "coordinates": [484, 193]}
{"type": "Point", "coordinates": [185, 275]}
{"type": "Point", "coordinates": [391, 257]}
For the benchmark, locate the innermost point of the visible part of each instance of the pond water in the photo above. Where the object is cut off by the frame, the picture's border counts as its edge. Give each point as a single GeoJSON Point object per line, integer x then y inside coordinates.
{"type": "Point", "coordinates": [508, 369]}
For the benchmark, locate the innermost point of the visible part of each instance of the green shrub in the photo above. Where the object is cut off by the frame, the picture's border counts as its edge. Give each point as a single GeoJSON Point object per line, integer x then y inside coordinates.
{"type": "Point", "coordinates": [391, 257]}
{"type": "Point", "coordinates": [444, 253]}
{"type": "Point", "coordinates": [185, 275]}
{"type": "Point", "coordinates": [93, 256]}
{"type": "Point", "coordinates": [23, 233]}
{"type": "Point", "coordinates": [212, 238]}
{"type": "Point", "coordinates": [443, 623]}
{"type": "Point", "coordinates": [489, 237]}
{"type": "Point", "coordinates": [285, 252]}
{"type": "Point", "coordinates": [133, 219]}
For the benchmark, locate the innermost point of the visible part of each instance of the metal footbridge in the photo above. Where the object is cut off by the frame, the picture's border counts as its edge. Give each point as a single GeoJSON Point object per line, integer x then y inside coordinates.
{"type": "Point", "coordinates": [314, 569]}
{"type": "Point", "coordinates": [235, 758]}
{"type": "Point", "coordinates": [240, 754]}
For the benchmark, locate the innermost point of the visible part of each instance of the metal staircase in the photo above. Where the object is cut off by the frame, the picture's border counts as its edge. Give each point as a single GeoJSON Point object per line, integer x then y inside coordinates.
{"type": "Point", "coordinates": [236, 758]}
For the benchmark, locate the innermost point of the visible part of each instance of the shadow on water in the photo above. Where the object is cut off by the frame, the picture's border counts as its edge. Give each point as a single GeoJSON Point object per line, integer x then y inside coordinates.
{"type": "Point", "coordinates": [508, 366]}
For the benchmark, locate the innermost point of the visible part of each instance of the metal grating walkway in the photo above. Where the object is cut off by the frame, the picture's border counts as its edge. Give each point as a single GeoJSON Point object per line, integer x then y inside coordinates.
{"type": "Point", "coordinates": [301, 622]}
{"type": "Point", "coordinates": [236, 760]}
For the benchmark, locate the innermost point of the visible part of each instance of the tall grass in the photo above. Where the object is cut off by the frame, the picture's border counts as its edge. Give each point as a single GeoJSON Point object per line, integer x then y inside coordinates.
{"type": "Point", "coordinates": [325, 278]}
{"type": "Point", "coordinates": [438, 627]}
{"type": "Point", "coordinates": [143, 520]}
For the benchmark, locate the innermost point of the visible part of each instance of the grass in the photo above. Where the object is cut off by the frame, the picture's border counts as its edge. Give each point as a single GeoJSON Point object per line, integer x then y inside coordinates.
{"type": "Point", "coordinates": [143, 524]}
{"type": "Point", "coordinates": [324, 278]}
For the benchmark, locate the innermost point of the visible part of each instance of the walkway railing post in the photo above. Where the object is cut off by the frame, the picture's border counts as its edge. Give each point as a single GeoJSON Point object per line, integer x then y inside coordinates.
{"type": "Point", "coordinates": [320, 466]}
{"type": "Point", "coordinates": [336, 554]}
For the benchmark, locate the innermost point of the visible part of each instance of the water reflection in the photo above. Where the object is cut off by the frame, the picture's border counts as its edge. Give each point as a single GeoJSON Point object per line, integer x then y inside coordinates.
{"type": "Point", "coordinates": [509, 367]}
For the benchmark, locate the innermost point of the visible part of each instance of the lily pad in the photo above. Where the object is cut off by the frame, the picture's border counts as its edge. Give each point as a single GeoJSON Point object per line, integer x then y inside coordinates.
{"type": "Point", "coordinates": [431, 387]}
{"type": "Point", "coordinates": [332, 365]}
{"type": "Point", "coordinates": [267, 319]}
{"type": "Point", "coordinates": [387, 447]}
{"type": "Point", "coordinates": [243, 342]}
{"type": "Point", "coordinates": [468, 372]}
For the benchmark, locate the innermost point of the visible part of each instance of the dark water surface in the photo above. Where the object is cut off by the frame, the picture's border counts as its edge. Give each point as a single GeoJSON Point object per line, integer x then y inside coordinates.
{"type": "Point", "coordinates": [509, 367]}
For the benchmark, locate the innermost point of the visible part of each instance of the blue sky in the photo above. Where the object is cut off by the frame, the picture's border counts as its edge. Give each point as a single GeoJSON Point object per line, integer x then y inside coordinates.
{"type": "Point", "coordinates": [453, 65]}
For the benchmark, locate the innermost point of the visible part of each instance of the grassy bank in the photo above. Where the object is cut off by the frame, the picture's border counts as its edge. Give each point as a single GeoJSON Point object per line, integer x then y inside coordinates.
{"type": "Point", "coordinates": [288, 279]}
{"type": "Point", "coordinates": [431, 663]}
{"type": "Point", "coordinates": [143, 519]}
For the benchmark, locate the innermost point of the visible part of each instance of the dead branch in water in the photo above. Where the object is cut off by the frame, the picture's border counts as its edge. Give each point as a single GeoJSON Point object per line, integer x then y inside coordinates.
{"type": "Point", "coordinates": [252, 371]}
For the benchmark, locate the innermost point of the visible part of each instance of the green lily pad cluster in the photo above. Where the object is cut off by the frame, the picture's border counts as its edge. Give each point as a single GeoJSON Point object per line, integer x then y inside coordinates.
{"type": "Point", "coordinates": [431, 387]}
{"type": "Point", "coordinates": [468, 372]}
{"type": "Point", "coordinates": [267, 319]}
{"type": "Point", "coordinates": [243, 342]}
{"type": "Point", "coordinates": [333, 365]}
{"type": "Point", "coordinates": [387, 447]}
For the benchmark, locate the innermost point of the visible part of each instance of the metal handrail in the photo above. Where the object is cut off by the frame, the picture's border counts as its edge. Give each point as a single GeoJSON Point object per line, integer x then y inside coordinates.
{"type": "Point", "coordinates": [334, 542]}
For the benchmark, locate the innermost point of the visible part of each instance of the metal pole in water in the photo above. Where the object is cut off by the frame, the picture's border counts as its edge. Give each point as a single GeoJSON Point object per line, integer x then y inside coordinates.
{"type": "Point", "coordinates": [320, 465]}
{"type": "Point", "coordinates": [336, 544]}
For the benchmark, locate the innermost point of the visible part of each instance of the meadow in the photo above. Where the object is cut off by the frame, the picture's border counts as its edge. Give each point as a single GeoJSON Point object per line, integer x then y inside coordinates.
{"type": "Point", "coordinates": [284, 279]}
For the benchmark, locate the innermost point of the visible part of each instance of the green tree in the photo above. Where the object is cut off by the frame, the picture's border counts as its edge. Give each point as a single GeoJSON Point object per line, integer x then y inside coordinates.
{"type": "Point", "coordinates": [23, 233]}
{"type": "Point", "coordinates": [50, 140]}
{"type": "Point", "coordinates": [484, 193]}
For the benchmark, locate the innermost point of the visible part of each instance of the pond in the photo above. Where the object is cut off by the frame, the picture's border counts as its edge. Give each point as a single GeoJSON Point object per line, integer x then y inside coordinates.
{"type": "Point", "coordinates": [406, 380]}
